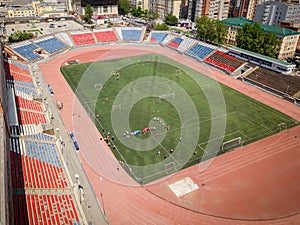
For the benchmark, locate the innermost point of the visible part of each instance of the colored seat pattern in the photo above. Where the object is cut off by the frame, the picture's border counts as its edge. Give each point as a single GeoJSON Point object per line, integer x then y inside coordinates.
{"type": "Point", "coordinates": [175, 43]}
{"type": "Point", "coordinates": [83, 38]}
{"type": "Point", "coordinates": [51, 44]}
{"type": "Point", "coordinates": [27, 50]}
{"type": "Point", "coordinates": [105, 35]}
{"type": "Point", "coordinates": [224, 61]}
{"type": "Point", "coordinates": [26, 104]}
{"type": "Point", "coordinates": [201, 50]}
{"type": "Point", "coordinates": [131, 34]}
{"type": "Point", "coordinates": [26, 117]}
{"type": "Point", "coordinates": [157, 37]}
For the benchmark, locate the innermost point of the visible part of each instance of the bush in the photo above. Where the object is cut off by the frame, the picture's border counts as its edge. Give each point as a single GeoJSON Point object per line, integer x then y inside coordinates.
{"type": "Point", "coordinates": [162, 26]}
{"type": "Point", "coordinates": [20, 36]}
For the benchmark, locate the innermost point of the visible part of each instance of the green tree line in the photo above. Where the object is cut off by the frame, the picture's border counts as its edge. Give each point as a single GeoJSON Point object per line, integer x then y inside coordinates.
{"type": "Point", "coordinates": [255, 39]}
{"type": "Point", "coordinates": [20, 36]}
{"type": "Point", "coordinates": [210, 30]}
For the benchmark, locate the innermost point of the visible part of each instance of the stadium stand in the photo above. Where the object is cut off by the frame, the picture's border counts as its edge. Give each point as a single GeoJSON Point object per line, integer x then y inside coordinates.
{"type": "Point", "coordinates": [40, 136]}
{"type": "Point", "coordinates": [50, 44]}
{"type": "Point", "coordinates": [20, 83]}
{"type": "Point", "coordinates": [223, 61]}
{"type": "Point", "coordinates": [10, 75]}
{"type": "Point", "coordinates": [26, 104]}
{"type": "Point", "coordinates": [157, 37]}
{"type": "Point", "coordinates": [168, 39]}
{"type": "Point", "coordinates": [105, 35]}
{"type": "Point", "coordinates": [44, 209]}
{"type": "Point", "coordinates": [186, 44]}
{"type": "Point", "coordinates": [31, 117]}
{"type": "Point", "coordinates": [83, 38]}
{"type": "Point", "coordinates": [281, 82]}
{"type": "Point", "coordinates": [64, 37]}
{"type": "Point", "coordinates": [20, 209]}
{"type": "Point", "coordinates": [28, 129]}
{"type": "Point", "coordinates": [25, 90]}
{"type": "Point", "coordinates": [53, 209]}
{"type": "Point", "coordinates": [24, 95]}
{"type": "Point", "coordinates": [175, 43]}
{"type": "Point", "coordinates": [40, 192]}
{"type": "Point", "coordinates": [26, 49]}
{"type": "Point", "coordinates": [43, 151]}
{"type": "Point", "coordinates": [201, 50]}
{"type": "Point", "coordinates": [19, 68]}
{"type": "Point", "coordinates": [15, 76]}
{"type": "Point", "coordinates": [131, 33]}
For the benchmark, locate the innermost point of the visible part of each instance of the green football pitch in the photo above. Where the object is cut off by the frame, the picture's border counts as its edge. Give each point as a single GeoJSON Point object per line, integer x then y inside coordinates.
{"type": "Point", "coordinates": [159, 116]}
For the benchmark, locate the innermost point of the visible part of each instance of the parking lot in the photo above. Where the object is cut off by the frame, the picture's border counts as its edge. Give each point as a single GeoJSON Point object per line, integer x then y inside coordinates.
{"type": "Point", "coordinates": [44, 28]}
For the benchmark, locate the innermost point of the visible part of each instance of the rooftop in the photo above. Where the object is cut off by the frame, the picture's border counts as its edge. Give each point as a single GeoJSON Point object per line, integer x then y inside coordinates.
{"type": "Point", "coordinates": [241, 21]}
{"type": "Point", "coordinates": [262, 56]}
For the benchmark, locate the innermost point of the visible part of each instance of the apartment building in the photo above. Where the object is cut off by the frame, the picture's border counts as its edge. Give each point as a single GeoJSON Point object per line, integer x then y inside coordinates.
{"type": "Point", "coordinates": [213, 9]}
{"type": "Point", "coordinates": [164, 7]}
{"type": "Point", "coordinates": [289, 38]}
{"type": "Point", "coordinates": [38, 9]}
{"type": "Point", "coordinates": [273, 13]}
{"type": "Point", "coordinates": [103, 9]}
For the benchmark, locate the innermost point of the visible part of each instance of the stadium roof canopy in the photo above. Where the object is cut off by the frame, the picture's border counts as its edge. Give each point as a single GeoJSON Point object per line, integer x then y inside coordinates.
{"type": "Point", "coordinates": [241, 21]}
{"type": "Point", "coordinates": [270, 59]}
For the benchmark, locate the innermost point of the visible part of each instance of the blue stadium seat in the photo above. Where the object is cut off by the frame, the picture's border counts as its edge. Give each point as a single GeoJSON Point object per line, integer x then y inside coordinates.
{"type": "Point", "coordinates": [25, 90]}
{"type": "Point", "coordinates": [51, 45]}
{"type": "Point", "coordinates": [178, 40]}
{"type": "Point", "coordinates": [41, 137]}
{"type": "Point", "coordinates": [45, 152]}
{"type": "Point", "coordinates": [131, 35]}
{"type": "Point", "coordinates": [24, 83]}
{"type": "Point", "coordinates": [27, 51]}
{"type": "Point", "coordinates": [158, 37]}
{"type": "Point", "coordinates": [25, 67]}
{"type": "Point", "coordinates": [200, 51]}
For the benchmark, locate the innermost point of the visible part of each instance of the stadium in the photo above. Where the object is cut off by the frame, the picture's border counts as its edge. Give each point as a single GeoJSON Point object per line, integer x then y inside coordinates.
{"type": "Point", "coordinates": [121, 126]}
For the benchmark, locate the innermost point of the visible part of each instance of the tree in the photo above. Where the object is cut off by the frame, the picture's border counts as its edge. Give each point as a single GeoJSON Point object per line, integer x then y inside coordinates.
{"type": "Point", "coordinates": [253, 38]}
{"type": "Point", "coordinates": [221, 32]}
{"type": "Point", "coordinates": [243, 38]}
{"type": "Point", "coordinates": [210, 30]}
{"type": "Point", "coordinates": [123, 7]}
{"type": "Point", "coordinates": [202, 25]}
{"type": "Point", "coordinates": [271, 45]}
{"type": "Point", "coordinates": [257, 35]}
{"type": "Point", "coordinates": [88, 12]}
{"type": "Point", "coordinates": [20, 36]}
{"type": "Point", "coordinates": [149, 15]}
{"type": "Point", "coordinates": [137, 12]}
{"type": "Point", "coordinates": [171, 20]}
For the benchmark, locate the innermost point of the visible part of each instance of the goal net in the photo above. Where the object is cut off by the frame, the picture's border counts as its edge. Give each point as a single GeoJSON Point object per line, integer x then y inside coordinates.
{"type": "Point", "coordinates": [170, 167]}
{"type": "Point", "coordinates": [233, 143]}
{"type": "Point", "coordinates": [98, 87]}
{"type": "Point", "coordinates": [281, 126]}
{"type": "Point", "coordinates": [166, 96]}
{"type": "Point", "coordinates": [115, 107]}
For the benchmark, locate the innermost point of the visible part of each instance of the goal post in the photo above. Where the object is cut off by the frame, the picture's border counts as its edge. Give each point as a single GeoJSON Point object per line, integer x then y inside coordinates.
{"type": "Point", "coordinates": [230, 144]}
{"type": "Point", "coordinates": [281, 126]}
{"type": "Point", "coordinates": [98, 87]}
{"type": "Point", "coordinates": [166, 96]}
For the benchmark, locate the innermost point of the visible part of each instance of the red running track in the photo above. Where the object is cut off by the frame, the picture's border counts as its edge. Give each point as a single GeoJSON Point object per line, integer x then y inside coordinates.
{"type": "Point", "coordinates": [256, 184]}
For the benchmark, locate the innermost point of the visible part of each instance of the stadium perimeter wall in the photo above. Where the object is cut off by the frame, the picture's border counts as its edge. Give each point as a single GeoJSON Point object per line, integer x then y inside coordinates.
{"type": "Point", "coordinates": [5, 189]}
